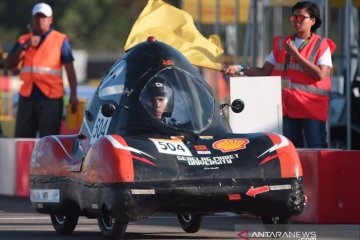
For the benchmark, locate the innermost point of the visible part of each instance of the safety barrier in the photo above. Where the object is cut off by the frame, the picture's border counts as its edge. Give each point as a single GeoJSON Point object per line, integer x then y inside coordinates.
{"type": "Point", "coordinates": [7, 166]}
{"type": "Point", "coordinates": [331, 183]}
{"type": "Point", "coordinates": [15, 156]}
{"type": "Point", "coordinates": [23, 157]}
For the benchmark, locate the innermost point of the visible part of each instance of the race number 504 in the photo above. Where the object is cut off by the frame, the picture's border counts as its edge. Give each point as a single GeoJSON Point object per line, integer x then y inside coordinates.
{"type": "Point", "coordinates": [100, 127]}
{"type": "Point", "coordinates": [173, 147]}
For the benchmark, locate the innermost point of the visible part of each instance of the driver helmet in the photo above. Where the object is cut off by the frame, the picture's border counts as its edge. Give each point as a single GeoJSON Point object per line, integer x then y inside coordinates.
{"type": "Point", "coordinates": [161, 98]}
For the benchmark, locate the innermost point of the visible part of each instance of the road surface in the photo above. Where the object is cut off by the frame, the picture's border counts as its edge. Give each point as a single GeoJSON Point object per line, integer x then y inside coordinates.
{"type": "Point", "coordinates": [19, 221]}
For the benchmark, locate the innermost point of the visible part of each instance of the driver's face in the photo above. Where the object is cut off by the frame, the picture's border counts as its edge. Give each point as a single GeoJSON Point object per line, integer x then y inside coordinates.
{"type": "Point", "coordinates": [159, 106]}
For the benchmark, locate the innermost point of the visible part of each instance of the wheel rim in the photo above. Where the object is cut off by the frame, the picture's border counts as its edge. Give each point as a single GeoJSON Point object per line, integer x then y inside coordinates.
{"type": "Point", "coordinates": [107, 220]}
{"type": "Point", "coordinates": [275, 220]}
{"type": "Point", "coordinates": [60, 219]}
{"type": "Point", "coordinates": [186, 217]}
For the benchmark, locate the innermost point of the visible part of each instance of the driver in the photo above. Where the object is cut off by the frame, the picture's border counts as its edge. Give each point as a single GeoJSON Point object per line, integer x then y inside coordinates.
{"type": "Point", "coordinates": [161, 99]}
{"type": "Point", "coordinates": [158, 105]}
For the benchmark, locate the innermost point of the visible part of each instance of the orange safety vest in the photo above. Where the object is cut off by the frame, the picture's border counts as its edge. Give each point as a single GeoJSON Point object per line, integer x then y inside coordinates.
{"type": "Point", "coordinates": [43, 66]}
{"type": "Point", "coordinates": [306, 98]}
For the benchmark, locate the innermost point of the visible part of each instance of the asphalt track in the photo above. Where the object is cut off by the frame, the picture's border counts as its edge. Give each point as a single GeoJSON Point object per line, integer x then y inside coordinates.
{"type": "Point", "coordinates": [19, 221]}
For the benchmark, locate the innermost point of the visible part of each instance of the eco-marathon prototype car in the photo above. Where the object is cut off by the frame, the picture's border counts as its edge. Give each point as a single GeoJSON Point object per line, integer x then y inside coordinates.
{"type": "Point", "coordinates": [154, 139]}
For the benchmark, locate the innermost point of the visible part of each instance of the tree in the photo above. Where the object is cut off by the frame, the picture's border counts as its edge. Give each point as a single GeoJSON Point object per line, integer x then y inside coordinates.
{"type": "Point", "coordinates": [97, 26]}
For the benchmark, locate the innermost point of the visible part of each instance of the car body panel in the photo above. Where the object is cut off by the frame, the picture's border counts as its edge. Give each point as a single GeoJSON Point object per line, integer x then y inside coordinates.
{"type": "Point", "coordinates": [126, 160]}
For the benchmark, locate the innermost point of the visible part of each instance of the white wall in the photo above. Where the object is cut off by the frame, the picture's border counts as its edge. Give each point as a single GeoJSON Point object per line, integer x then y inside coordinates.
{"type": "Point", "coordinates": [263, 109]}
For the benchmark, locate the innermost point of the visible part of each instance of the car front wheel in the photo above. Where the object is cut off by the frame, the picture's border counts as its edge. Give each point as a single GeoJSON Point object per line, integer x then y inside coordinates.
{"type": "Point", "coordinates": [276, 224]}
{"type": "Point", "coordinates": [190, 222]}
{"type": "Point", "coordinates": [64, 224]}
{"type": "Point", "coordinates": [111, 227]}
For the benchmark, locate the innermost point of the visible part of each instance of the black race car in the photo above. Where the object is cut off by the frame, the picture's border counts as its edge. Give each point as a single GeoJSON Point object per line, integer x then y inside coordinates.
{"type": "Point", "coordinates": [154, 139]}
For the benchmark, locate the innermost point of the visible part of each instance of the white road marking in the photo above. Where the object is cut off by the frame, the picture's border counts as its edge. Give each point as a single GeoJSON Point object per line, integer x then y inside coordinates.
{"type": "Point", "coordinates": [24, 218]}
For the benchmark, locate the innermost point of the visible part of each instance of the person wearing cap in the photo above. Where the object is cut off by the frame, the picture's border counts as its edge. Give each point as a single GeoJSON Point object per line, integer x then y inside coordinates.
{"type": "Point", "coordinates": [40, 54]}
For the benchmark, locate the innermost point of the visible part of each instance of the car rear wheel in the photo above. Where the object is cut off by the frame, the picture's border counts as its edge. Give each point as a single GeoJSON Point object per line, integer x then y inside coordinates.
{"type": "Point", "coordinates": [276, 224]}
{"type": "Point", "coordinates": [190, 222]}
{"type": "Point", "coordinates": [64, 224]}
{"type": "Point", "coordinates": [111, 227]}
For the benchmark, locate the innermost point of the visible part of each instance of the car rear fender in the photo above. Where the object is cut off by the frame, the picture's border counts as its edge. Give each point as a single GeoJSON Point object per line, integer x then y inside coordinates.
{"type": "Point", "coordinates": [108, 161]}
{"type": "Point", "coordinates": [55, 155]}
{"type": "Point", "coordinates": [286, 153]}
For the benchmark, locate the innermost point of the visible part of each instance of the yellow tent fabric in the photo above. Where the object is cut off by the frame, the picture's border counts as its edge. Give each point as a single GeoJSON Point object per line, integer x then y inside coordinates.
{"type": "Point", "coordinates": [176, 28]}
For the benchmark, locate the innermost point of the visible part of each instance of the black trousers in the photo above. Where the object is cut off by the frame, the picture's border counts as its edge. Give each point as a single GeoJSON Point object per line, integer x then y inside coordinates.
{"type": "Point", "coordinates": [44, 116]}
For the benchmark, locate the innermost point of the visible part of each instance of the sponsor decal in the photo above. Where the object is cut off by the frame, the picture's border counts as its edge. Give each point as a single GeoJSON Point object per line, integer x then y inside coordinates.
{"type": "Point", "coordinates": [100, 128]}
{"type": "Point", "coordinates": [206, 137]}
{"type": "Point", "coordinates": [230, 145]}
{"type": "Point", "coordinates": [143, 191]}
{"type": "Point", "coordinates": [142, 159]}
{"type": "Point", "coordinates": [280, 187]}
{"type": "Point", "coordinates": [172, 147]}
{"type": "Point", "coordinates": [234, 197]}
{"type": "Point", "coordinates": [116, 144]}
{"type": "Point", "coordinates": [177, 137]}
{"type": "Point", "coordinates": [168, 62]}
{"type": "Point", "coordinates": [211, 168]}
{"type": "Point", "coordinates": [201, 148]}
{"type": "Point", "coordinates": [208, 161]}
{"type": "Point", "coordinates": [268, 158]}
{"type": "Point", "coordinates": [283, 143]}
{"type": "Point", "coordinates": [203, 152]}
{"type": "Point", "coordinates": [252, 192]}
{"type": "Point", "coordinates": [45, 195]}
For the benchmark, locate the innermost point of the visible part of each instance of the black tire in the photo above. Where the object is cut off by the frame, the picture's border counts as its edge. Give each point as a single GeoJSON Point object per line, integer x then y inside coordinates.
{"type": "Point", "coordinates": [190, 222]}
{"type": "Point", "coordinates": [64, 224]}
{"type": "Point", "coordinates": [296, 201]}
{"type": "Point", "coordinates": [276, 224]}
{"type": "Point", "coordinates": [110, 227]}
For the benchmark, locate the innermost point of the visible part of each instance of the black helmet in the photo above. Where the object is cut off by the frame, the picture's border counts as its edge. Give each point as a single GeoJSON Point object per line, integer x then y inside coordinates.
{"type": "Point", "coordinates": [158, 87]}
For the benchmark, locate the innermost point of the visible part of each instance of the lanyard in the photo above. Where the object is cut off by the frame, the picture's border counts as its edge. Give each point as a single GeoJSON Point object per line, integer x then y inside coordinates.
{"type": "Point", "coordinates": [288, 57]}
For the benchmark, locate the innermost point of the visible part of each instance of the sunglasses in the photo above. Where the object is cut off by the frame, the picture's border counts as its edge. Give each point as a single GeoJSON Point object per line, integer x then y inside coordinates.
{"type": "Point", "coordinates": [299, 18]}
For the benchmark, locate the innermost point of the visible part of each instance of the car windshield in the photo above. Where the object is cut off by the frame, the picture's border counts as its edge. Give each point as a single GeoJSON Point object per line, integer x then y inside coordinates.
{"type": "Point", "coordinates": [178, 99]}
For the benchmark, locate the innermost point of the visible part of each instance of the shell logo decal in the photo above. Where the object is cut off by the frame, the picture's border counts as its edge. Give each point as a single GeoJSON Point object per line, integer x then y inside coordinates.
{"type": "Point", "coordinates": [230, 145]}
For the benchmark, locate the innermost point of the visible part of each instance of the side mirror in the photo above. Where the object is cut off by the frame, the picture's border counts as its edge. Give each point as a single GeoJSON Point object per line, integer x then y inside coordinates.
{"type": "Point", "coordinates": [237, 106]}
{"type": "Point", "coordinates": [108, 109]}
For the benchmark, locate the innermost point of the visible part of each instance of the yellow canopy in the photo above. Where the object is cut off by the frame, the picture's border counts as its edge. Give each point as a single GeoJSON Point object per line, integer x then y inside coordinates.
{"type": "Point", "coordinates": [176, 28]}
